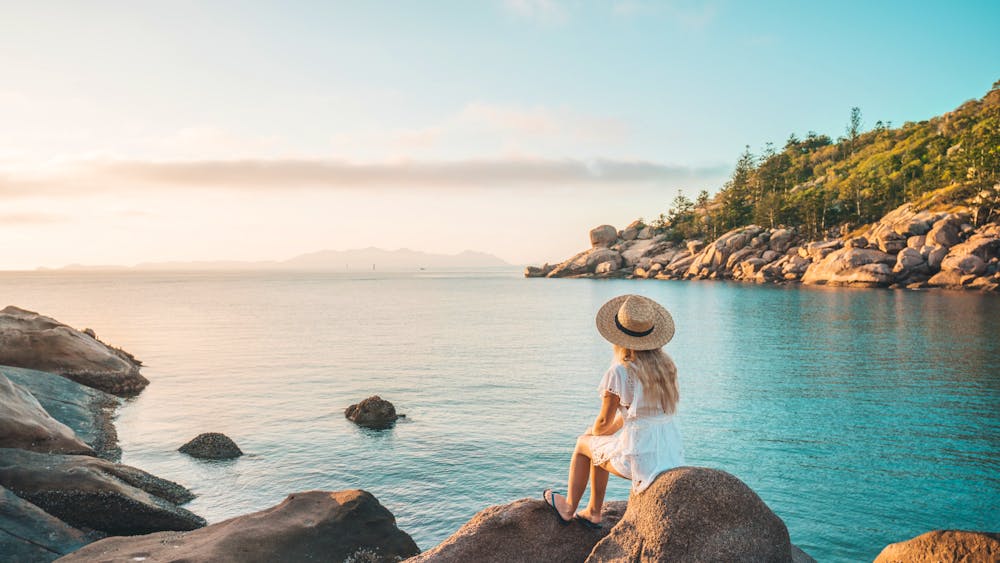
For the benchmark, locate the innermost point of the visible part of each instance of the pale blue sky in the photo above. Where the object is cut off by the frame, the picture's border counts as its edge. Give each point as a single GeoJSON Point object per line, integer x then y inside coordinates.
{"type": "Point", "coordinates": [433, 125]}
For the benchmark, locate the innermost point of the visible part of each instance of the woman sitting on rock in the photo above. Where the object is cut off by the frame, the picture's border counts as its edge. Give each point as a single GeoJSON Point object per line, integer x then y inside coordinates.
{"type": "Point", "coordinates": [638, 397]}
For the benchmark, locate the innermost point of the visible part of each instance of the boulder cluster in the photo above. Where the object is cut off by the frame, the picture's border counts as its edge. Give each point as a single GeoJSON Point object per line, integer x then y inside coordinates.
{"type": "Point", "coordinates": [60, 485]}
{"type": "Point", "coordinates": [906, 248]}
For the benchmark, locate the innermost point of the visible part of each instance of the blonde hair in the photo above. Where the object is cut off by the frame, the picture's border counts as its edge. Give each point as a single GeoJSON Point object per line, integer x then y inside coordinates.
{"type": "Point", "coordinates": [656, 372]}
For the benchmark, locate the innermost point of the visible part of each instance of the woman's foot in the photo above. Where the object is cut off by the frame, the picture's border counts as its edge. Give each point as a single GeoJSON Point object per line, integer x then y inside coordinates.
{"type": "Point", "coordinates": [588, 517]}
{"type": "Point", "coordinates": [559, 503]}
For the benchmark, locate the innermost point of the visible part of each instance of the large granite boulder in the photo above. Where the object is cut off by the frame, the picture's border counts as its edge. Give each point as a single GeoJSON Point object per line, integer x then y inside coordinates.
{"type": "Point", "coordinates": [211, 445]}
{"type": "Point", "coordinates": [983, 247]}
{"type": "Point", "coordinates": [945, 231]}
{"type": "Point", "coordinates": [696, 514]}
{"type": "Point", "coordinates": [86, 410]}
{"type": "Point", "coordinates": [605, 235]}
{"type": "Point", "coordinates": [309, 526]}
{"type": "Point", "coordinates": [373, 412]}
{"type": "Point", "coordinates": [88, 492]}
{"type": "Point", "coordinates": [852, 266]}
{"type": "Point", "coordinates": [25, 424]}
{"type": "Point", "coordinates": [601, 255]}
{"type": "Point", "coordinates": [525, 530]}
{"type": "Point", "coordinates": [574, 266]}
{"type": "Point", "coordinates": [28, 534]}
{"type": "Point", "coordinates": [944, 546]}
{"type": "Point", "coordinates": [34, 341]}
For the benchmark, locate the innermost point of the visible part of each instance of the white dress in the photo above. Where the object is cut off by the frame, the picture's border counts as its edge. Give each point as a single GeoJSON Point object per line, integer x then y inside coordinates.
{"type": "Point", "coordinates": [648, 443]}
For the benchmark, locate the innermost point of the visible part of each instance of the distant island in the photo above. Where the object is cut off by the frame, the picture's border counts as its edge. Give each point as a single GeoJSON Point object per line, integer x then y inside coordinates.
{"type": "Point", "coordinates": [356, 260]}
{"type": "Point", "coordinates": [915, 206]}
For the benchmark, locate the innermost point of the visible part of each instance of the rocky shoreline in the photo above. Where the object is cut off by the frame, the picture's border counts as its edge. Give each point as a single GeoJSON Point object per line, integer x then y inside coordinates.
{"type": "Point", "coordinates": [905, 249]}
{"type": "Point", "coordinates": [63, 496]}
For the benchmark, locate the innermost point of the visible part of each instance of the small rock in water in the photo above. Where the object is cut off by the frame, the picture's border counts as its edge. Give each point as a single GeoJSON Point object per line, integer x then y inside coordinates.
{"type": "Point", "coordinates": [211, 445]}
{"type": "Point", "coordinates": [373, 412]}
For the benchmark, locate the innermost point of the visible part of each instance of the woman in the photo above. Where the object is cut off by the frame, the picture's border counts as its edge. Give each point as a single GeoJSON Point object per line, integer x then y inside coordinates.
{"type": "Point", "coordinates": [638, 397]}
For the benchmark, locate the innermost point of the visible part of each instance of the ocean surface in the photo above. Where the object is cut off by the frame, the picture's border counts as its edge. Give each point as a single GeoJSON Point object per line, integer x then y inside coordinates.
{"type": "Point", "coordinates": [862, 417]}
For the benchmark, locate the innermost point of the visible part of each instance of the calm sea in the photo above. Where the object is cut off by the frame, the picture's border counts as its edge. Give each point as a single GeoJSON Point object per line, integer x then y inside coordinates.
{"type": "Point", "coordinates": [861, 417]}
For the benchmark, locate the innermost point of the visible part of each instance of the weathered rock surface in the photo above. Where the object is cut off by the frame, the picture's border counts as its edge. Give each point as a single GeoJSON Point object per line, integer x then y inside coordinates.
{"type": "Point", "coordinates": [852, 266]}
{"type": "Point", "coordinates": [373, 412]}
{"type": "Point", "coordinates": [84, 409]}
{"type": "Point", "coordinates": [605, 235]}
{"type": "Point", "coordinates": [944, 546]}
{"type": "Point", "coordinates": [309, 526]}
{"type": "Point", "coordinates": [211, 445]}
{"type": "Point", "coordinates": [525, 530]}
{"type": "Point", "coordinates": [88, 492]}
{"type": "Point", "coordinates": [25, 424]}
{"type": "Point", "coordinates": [696, 514]}
{"type": "Point", "coordinates": [28, 534]}
{"type": "Point", "coordinates": [34, 341]}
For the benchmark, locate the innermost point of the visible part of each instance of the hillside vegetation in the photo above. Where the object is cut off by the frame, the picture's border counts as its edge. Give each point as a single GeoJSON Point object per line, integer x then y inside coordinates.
{"type": "Point", "coordinates": [827, 188]}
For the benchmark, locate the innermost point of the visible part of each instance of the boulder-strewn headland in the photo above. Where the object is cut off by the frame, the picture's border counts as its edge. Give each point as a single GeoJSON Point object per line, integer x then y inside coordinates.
{"type": "Point", "coordinates": [915, 206]}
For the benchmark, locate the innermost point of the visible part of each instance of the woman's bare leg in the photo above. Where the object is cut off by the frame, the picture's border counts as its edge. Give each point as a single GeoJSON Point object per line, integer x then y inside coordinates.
{"type": "Point", "coordinates": [598, 486]}
{"type": "Point", "coordinates": [579, 470]}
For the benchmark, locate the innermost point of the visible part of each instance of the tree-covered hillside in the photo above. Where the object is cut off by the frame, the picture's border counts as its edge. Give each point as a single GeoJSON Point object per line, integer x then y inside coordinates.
{"type": "Point", "coordinates": [826, 187]}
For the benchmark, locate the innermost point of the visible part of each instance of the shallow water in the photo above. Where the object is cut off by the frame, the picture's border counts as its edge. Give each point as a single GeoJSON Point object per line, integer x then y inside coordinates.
{"type": "Point", "coordinates": [862, 417]}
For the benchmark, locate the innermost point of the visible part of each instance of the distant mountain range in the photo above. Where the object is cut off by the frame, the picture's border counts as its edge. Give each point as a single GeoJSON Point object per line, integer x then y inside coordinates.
{"type": "Point", "coordinates": [361, 259]}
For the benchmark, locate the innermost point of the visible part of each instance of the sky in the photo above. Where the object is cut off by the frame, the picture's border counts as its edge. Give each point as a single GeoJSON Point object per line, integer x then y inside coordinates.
{"type": "Point", "coordinates": [189, 130]}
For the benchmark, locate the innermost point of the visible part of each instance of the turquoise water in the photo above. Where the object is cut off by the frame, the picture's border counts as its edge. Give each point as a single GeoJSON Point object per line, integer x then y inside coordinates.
{"type": "Point", "coordinates": [862, 417]}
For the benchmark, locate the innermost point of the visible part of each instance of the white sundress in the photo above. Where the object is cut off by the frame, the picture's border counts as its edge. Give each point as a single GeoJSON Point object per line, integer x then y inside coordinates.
{"type": "Point", "coordinates": [648, 443]}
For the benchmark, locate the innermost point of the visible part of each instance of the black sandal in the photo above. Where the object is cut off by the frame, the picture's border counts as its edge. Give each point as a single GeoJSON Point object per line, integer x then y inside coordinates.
{"type": "Point", "coordinates": [587, 522]}
{"type": "Point", "coordinates": [551, 501]}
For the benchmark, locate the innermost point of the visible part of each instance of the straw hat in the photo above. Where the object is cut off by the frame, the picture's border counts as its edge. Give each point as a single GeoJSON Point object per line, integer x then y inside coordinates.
{"type": "Point", "coordinates": [635, 322]}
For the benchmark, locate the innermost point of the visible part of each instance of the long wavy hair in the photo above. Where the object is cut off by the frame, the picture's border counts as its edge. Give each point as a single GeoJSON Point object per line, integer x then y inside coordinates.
{"type": "Point", "coordinates": [657, 374]}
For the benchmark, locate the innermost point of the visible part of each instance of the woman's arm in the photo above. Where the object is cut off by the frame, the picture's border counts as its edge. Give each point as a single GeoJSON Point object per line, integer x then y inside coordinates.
{"type": "Point", "coordinates": [609, 420]}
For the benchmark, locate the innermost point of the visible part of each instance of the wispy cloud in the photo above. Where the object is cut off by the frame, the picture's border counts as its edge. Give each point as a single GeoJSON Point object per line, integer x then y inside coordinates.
{"type": "Point", "coordinates": [104, 176]}
{"type": "Point", "coordinates": [29, 218]}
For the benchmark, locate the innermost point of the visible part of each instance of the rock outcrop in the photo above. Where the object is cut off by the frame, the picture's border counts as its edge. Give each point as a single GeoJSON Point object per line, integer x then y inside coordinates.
{"type": "Point", "coordinates": [88, 492]}
{"type": "Point", "coordinates": [373, 412]}
{"type": "Point", "coordinates": [28, 534]}
{"type": "Point", "coordinates": [34, 341]}
{"type": "Point", "coordinates": [315, 525]}
{"type": "Point", "coordinates": [524, 530]}
{"type": "Point", "coordinates": [25, 424]}
{"type": "Point", "coordinates": [696, 514]}
{"type": "Point", "coordinates": [84, 409]}
{"type": "Point", "coordinates": [211, 445]}
{"type": "Point", "coordinates": [944, 546]}
{"type": "Point", "coordinates": [905, 248]}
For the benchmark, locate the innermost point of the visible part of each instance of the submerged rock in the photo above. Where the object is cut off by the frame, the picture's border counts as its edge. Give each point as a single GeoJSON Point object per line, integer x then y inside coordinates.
{"type": "Point", "coordinates": [944, 546]}
{"type": "Point", "coordinates": [211, 445]}
{"type": "Point", "coordinates": [524, 530]}
{"type": "Point", "coordinates": [28, 534]}
{"type": "Point", "coordinates": [86, 410]}
{"type": "Point", "coordinates": [34, 341]}
{"type": "Point", "coordinates": [373, 412]}
{"type": "Point", "coordinates": [25, 424]}
{"type": "Point", "coordinates": [696, 514]}
{"type": "Point", "coordinates": [310, 526]}
{"type": "Point", "coordinates": [88, 492]}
